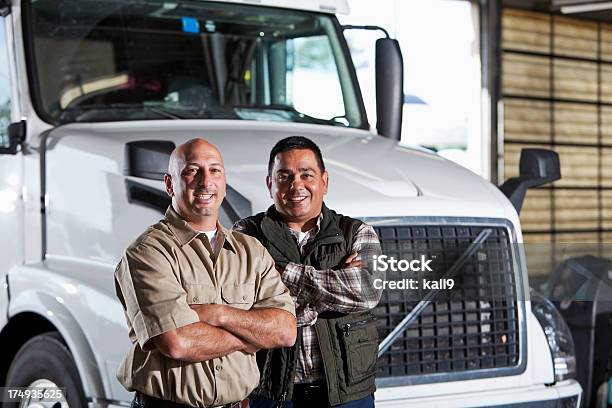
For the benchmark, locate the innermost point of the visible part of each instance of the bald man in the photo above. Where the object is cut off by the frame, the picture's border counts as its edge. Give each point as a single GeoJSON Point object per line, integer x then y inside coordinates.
{"type": "Point", "coordinates": [199, 299]}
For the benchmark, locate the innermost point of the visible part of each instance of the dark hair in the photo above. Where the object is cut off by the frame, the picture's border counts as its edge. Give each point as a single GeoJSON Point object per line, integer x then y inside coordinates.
{"type": "Point", "coordinates": [293, 143]}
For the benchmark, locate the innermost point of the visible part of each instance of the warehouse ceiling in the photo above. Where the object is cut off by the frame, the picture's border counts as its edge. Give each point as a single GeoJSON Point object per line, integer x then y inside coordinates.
{"type": "Point", "coordinates": [598, 10]}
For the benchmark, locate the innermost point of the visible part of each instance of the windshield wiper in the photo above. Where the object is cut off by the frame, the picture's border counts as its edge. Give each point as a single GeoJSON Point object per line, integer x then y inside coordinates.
{"type": "Point", "coordinates": [112, 111]}
{"type": "Point", "coordinates": [163, 112]}
{"type": "Point", "coordinates": [291, 109]}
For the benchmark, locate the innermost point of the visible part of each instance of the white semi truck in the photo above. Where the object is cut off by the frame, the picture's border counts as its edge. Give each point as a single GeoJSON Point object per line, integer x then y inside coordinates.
{"type": "Point", "coordinates": [95, 93]}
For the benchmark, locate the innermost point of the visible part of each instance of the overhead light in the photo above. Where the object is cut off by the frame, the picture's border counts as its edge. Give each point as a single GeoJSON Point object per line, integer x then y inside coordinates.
{"type": "Point", "coordinates": [585, 8]}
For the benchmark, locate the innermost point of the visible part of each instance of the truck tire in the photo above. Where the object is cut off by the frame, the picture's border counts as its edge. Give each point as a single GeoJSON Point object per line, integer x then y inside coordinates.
{"type": "Point", "coordinates": [45, 361]}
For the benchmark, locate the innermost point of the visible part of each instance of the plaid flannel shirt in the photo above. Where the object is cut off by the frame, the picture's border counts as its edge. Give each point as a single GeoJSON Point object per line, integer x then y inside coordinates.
{"type": "Point", "coordinates": [315, 291]}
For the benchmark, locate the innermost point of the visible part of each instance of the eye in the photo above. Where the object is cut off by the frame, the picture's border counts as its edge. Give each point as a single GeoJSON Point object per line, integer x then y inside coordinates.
{"type": "Point", "coordinates": [190, 171]}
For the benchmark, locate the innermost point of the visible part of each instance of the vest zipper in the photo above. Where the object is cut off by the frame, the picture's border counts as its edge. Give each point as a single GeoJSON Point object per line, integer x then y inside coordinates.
{"type": "Point", "coordinates": [281, 402]}
{"type": "Point", "coordinates": [349, 327]}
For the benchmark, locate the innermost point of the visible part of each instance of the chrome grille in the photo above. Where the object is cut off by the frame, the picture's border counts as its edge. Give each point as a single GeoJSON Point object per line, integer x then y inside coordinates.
{"type": "Point", "coordinates": [472, 327]}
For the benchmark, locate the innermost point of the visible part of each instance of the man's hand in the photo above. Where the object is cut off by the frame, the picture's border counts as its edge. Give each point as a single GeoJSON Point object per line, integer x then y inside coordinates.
{"type": "Point", "coordinates": [350, 262]}
{"type": "Point", "coordinates": [212, 314]}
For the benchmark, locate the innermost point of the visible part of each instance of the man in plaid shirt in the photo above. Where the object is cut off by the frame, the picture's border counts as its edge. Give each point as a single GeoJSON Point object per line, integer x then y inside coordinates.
{"type": "Point", "coordinates": [325, 260]}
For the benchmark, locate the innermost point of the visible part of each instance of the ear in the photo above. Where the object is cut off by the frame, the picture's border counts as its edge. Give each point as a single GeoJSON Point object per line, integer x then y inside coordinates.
{"type": "Point", "coordinates": [168, 183]}
{"type": "Point", "coordinates": [269, 184]}
{"type": "Point", "coordinates": [325, 178]}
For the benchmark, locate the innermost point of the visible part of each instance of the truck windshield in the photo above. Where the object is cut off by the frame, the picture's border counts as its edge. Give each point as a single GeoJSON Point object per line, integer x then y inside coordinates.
{"type": "Point", "coordinates": [101, 60]}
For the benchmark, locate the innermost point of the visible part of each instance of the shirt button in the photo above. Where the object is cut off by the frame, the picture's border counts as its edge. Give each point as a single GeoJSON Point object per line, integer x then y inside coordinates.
{"type": "Point", "coordinates": [218, 368]}
{"type": "Point", "coordinates": [196, 299]}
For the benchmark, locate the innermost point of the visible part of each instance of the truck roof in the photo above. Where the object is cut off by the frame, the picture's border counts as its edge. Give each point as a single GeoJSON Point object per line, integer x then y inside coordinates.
{"type": "Point", "coordinates": [321, 6]}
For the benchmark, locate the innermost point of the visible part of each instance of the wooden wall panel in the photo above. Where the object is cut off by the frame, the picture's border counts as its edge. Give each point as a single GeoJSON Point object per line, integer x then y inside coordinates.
{"type": "Point", "coordinates": [526, 31]}
{"type": "Point", "coordinates": [528, 120]}
{"type": "Point", "coordinates": [575, 123]}
{"type": "Point", "coordinates": [575, 80]}
{"type": "Point", "coordinates": [537, 210]}
{"type": "Point", "coordinates": [606, 125]}
{"type": "Point", "coordinates": [538, 238]}
{"type": "Point", "coordinates": [578, 238]}
{"type": "Point", "coordinates": [511, 160]}
{"type": "Point", "coordinates": [574, 38]}
{"type": "Point", "coordinates": [579, 166]}
{"type": "Point", "coordinates": [539, 253]}
{"type": "Point", "coordinates": [606, 167]}
{"type": "Point", "coordinates": [606, 83]}
{"type": "Point", "coordinates": [558, 94]}
{"type": "Point", "coordinates": [526, 75]}
{"type": "Point", "coordinates": [606, 42]}
{"type": "Point", "coordinates": [606, 209]}
{"type": "Point", "coordinates": [576, 209]}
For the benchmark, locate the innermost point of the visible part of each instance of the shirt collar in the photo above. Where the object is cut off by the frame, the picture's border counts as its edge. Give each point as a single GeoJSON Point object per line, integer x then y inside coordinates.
{"type": "Point", "coordinates": [184, 233]}
{"type": "Point", "coordinates": [314, 230]}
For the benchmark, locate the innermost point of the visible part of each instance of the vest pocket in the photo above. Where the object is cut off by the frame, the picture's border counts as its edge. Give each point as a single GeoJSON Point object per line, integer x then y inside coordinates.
{"type": "Point", "coordinates": [359, 343]}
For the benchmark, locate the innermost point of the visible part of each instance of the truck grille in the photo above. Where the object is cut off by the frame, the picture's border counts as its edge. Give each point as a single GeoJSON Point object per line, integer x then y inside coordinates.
{"type": "Point", "coordinates": [474, 326]}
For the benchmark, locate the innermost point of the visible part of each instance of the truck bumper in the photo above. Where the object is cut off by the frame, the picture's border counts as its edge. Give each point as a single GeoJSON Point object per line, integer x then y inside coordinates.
{"type": "Point", "coordinates": [563, 394]}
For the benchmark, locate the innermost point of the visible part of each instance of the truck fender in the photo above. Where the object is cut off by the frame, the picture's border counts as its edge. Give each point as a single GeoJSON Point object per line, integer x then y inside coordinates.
{"type": "Point", "coordinates": [49, 307]}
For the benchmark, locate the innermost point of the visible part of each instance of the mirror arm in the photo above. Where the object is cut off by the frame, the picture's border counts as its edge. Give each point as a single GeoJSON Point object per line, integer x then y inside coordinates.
{"type": "Point", "coordinates": [366, 27]}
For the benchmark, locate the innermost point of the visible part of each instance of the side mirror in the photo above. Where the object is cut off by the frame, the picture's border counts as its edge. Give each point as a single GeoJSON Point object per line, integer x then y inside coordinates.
{"type": "Point", "coordinates": [536, 167]}
{"type": "Point", "coordinates": [389, 88]}
{"type": "Point", "coordinates": [147, 158]}
{"type": "Point", "coordinates": [16, 133]}
{"type": "Point", "coordinates": [389, 83]}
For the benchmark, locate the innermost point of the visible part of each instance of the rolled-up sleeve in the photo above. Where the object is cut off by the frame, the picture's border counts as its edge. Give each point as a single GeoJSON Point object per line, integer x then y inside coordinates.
{"type": "Point", "coordinates": [152, 297]}
{"type": "Point", "coordinates": [272, 292]}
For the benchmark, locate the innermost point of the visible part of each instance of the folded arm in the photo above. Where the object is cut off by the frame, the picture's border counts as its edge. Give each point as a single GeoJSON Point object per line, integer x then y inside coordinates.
{"type": "Point", "coordinates": [156, 305]}
{"type": "Point", "coordinates": [199, 342]}
{"type": "Point", "coordinates": [347, 288]}
{"type": "Point", "coordinates": [264, 328]}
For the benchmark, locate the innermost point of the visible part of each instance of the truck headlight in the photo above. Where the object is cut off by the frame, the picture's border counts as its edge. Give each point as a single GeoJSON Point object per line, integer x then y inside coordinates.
{"type": "Point", "coordinates": [559, 337]}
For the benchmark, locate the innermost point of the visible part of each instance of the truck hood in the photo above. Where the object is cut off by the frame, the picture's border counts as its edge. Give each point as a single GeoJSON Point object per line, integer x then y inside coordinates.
{"type": "Point", "coordinates": [370, 176]}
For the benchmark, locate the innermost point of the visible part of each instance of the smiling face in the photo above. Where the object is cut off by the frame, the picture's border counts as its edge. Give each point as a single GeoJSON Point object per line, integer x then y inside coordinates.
{"type": "Point", "coordinates": [196, 183]}
{"type": "Point", "coordinates": [297, 186]}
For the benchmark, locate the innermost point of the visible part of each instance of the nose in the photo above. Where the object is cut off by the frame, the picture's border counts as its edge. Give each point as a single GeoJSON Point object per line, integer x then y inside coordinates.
{"type": "Point", "coordinates": [204, 178]}
{"type": "Point", "coordinates": [297, 183]}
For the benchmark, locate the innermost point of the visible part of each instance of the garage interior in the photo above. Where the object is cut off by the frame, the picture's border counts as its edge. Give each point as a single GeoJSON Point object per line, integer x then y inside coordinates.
{"type": "Point", "coordinates": [556, 93]}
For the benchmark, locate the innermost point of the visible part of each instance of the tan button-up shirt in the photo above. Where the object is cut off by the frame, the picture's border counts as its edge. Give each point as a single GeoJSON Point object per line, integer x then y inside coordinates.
{"type": "Point", "coordinates": [171, 266]}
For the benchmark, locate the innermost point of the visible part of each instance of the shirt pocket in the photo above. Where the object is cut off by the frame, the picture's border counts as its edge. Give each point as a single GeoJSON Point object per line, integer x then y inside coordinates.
{"type": "Point", "coordinates": [200, 293]}
{"type": "Point", "coordinates": [240, 295]}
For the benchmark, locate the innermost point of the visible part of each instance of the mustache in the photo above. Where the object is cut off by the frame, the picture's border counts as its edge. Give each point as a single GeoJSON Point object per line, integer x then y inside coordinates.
{"type": "Point", "coordinates": [297, 192]}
